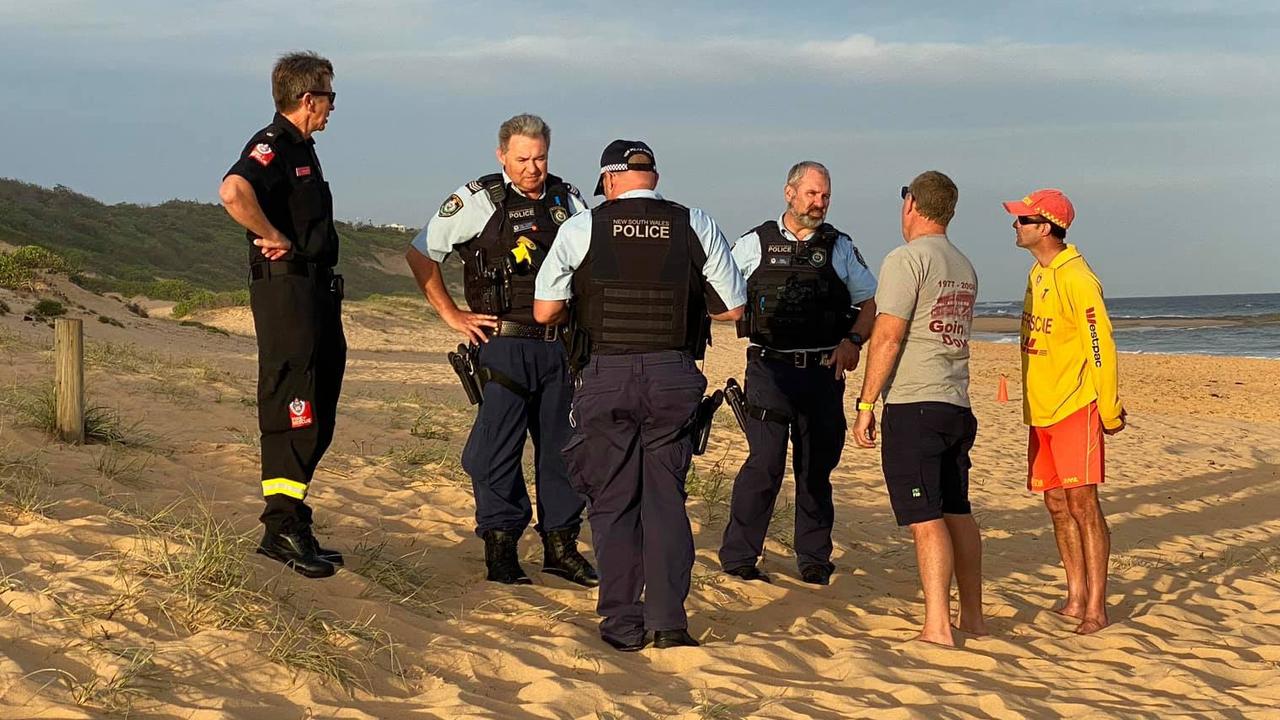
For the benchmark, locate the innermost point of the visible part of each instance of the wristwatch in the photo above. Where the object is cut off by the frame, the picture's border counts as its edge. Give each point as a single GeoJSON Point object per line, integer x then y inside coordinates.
{"type": "Point", "coordinates": [855, 338]}
{"type": "Point", "coordinates": [864, 405]}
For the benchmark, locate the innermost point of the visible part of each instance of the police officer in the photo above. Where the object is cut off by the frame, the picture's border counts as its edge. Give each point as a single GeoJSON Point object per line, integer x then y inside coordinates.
{"type": "Point", "coordinates": [502, 225]}
{"type": "Point", "coordinates": [644, 272]}
{"type": "Point", "coordinates": [805, 280]}
{"type": "Point", "coordinates": [277, 191]}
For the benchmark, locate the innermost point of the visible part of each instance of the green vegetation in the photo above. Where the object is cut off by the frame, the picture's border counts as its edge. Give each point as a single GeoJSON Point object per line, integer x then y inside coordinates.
{"type": "Point", "coordinates": [18, 268]}
{"type": "Point", "coordinates": [48, 309]}
{"type": "Point", "coordinates": [171, 251]}
{"type": "Point", "coordinates": [37, 407]}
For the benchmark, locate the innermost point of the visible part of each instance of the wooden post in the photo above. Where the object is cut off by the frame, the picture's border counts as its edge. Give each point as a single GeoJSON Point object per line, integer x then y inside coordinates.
{"type": "Point", "coordinates": [68, 351]}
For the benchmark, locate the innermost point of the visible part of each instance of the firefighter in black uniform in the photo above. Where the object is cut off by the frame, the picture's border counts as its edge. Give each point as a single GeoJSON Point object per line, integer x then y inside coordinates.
{"type": "Point", "coordinates": [277, 191]}
{"type": "Point", "coordinates": [644, 272]}
{"type": "Point", "coordinates": [805, 280]}
{"type": "Point", "coordinates": [502, 226]}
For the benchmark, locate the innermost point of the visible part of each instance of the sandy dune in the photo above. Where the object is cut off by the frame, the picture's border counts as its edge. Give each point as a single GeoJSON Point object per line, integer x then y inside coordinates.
{"type": "Point", "coordinates": [126, 588]}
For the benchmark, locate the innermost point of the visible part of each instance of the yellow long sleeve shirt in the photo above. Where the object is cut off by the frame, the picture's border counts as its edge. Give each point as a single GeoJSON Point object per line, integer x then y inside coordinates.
{"type": "Point", "coordinates": [1068, 353]}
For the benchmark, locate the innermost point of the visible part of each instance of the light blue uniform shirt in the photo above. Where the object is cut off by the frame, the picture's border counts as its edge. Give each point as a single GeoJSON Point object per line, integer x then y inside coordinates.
{"type": "Point", "coordinates": [845, 259]}
{"type": "Point", "coordinates": [451, 227]}
{"type": "Point", "coordinates": [555, 278]}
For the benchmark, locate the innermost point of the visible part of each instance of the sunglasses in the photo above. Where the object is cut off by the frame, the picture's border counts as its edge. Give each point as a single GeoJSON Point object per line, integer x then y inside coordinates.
{"type": "Point", "coordinates": [1030, 220]}
{"type": "Point", "coordinates": [905, 192]}
{"type": "Point", "coordinates": [333, 96]}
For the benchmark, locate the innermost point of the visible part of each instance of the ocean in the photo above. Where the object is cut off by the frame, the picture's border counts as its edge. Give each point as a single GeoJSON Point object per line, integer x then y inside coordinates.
{"type": "Point", "coordinates": [1244, 325]}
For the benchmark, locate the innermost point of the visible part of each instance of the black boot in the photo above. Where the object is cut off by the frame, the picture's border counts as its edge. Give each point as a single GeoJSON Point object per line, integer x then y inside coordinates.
{"type": "Point", "coordinates": [297, 550]}
{"type": "Point", "coordinates": [332, 557]}
{"type": "Point", "coordinates": [560, 557]}
{"type": "Point", "coordinates": [502, 559]}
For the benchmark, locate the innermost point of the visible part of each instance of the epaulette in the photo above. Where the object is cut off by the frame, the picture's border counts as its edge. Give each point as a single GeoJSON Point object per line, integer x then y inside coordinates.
{"type": "Point", "coordinates": [491, 183]}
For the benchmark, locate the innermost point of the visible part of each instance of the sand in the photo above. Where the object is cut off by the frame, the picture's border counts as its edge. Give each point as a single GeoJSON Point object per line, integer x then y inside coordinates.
{"type": "Point", "coordinates": [104, 610]}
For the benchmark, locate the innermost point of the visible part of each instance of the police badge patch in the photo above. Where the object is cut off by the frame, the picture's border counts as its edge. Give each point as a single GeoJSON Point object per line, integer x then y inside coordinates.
{"type": "Point", "coordinates": [858, 255]}
{"type": "Point", "coordinates": [450, 207]}
{"type": "Point", "coordinates": [559, 214]}
{"type": "Point", "coordinates": [818, 257]}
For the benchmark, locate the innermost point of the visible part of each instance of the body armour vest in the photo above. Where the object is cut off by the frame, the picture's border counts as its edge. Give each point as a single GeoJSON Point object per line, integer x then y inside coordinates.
{"type": "Point", "coordinates": [795, 299]}
{"type": "Point", "coordinates": [639, 287]}
{"type": "Point", "coordinates": [501, 263]}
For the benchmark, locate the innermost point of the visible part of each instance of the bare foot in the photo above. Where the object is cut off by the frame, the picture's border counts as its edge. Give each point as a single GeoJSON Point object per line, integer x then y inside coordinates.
{"type": "Point", "coordinates": [936, 638]}
{"type": "Point", "coordinates": [1071, 610]}
{"type": "Point", "coordinates": [978, 628]}
{"type": "Point", "coordinates": [1092, 625]}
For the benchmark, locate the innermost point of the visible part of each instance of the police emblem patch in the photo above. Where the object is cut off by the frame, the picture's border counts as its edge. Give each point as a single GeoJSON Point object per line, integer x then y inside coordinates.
{"type": "Point", "coordinates": [451, 206]}
{"type": "Point", "coordinates": [818, 258]}
{"type": "Point", "coordinates": [858, 255]}
{"type": "Point", "coordinates": [559, 214]}
{"type": "Point", "coordinates": [263, 153]}
{"type": "Point", "coordinates": [300, 414]}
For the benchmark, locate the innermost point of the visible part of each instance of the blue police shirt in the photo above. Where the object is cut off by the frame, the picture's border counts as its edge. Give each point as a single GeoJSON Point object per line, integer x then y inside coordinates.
{"type": "Point", "coordinates": [452, 226]}
{"type": "Point", "coordinates": [845, 259]}
{"type": "Point", "coordinates": [555, 278]}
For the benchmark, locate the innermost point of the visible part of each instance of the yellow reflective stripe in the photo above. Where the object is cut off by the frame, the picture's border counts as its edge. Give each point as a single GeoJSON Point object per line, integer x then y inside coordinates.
{"type": "Point", "coordinates": [284, 486]}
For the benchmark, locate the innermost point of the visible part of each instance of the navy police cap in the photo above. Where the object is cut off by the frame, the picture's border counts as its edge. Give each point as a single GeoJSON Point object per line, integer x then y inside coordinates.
{"type": "Point", "coordinates": [622, 155]}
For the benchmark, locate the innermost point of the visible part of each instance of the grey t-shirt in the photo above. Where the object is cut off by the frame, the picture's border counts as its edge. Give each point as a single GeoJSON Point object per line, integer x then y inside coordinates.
{"type": "Point", "coordinates": [931, 285]}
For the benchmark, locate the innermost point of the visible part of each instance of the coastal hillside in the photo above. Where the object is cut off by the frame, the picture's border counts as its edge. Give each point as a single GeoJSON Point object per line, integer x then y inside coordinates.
{"type": "Point", "coordinates": [174, 249]}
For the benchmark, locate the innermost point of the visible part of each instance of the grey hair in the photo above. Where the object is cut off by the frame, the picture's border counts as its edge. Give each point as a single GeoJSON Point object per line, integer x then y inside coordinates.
{"type": "Point", "coordinates": [798, 170]}
{"type": "Point", "coordinates": [526, 125]}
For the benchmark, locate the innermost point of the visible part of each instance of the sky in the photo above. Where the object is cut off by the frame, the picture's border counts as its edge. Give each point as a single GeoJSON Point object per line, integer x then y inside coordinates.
{"type": "Point", "coordinates": [1161, 120]}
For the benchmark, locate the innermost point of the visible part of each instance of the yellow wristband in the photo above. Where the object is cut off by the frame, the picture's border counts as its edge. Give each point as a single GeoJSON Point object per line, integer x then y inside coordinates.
{"type": "Point", "coordinates": [863, 405]}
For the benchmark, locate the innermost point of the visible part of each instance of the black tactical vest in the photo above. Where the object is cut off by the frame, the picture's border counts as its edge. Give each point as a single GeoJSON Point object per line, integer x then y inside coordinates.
{"type": "Point", "coordinates": [515, 217]}
{"type": "Point", "coordinates": [795, 299]}
{"type": "Point", "coordinates": [639, 287]}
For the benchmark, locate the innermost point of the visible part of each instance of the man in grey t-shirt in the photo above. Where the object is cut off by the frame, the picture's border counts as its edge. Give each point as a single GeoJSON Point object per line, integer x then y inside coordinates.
{"type": "Point", "coordinates": [918, 359]}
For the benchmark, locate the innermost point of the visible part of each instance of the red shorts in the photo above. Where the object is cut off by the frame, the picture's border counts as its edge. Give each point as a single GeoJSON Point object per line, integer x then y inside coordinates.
{"type": "Point", "coordinates": [1068, 453]}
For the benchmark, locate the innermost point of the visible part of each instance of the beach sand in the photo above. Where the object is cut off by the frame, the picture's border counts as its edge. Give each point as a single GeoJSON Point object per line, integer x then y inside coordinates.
{"type": "Point", "coordinates": [127, 587]}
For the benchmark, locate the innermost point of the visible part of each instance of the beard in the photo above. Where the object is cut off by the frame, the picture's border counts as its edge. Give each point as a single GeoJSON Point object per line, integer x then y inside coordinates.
{"type": "Point", "coordinates": [809, 220]}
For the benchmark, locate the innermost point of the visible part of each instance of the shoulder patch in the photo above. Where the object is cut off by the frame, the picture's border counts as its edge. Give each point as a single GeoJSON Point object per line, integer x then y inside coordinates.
{"type": "Point", "coordinates": [263, 153]}
{"type": "Point", "coordinates": [474, 186]}
{"type": "Point", "coordinates": [858, 254]}
{"type": "Point", "coordinates": [450, 206]}
{"type": "Point", "coordinates": [573, 190]}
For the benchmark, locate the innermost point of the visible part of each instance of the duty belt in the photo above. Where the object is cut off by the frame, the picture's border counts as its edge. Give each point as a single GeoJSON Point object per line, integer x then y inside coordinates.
{"type": "Point", "coordinates": [546, 333]}
{"type": "Point", "coordinates": [800, 358]}
{"type": "Point", "coordinates": [278, 268]}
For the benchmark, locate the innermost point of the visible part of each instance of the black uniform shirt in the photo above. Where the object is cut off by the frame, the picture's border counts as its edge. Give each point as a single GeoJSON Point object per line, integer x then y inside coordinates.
{"type": "Point", "coordinates": [285, 173]}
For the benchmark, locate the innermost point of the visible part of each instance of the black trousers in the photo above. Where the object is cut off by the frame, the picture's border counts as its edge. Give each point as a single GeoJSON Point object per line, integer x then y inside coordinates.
{"type": "Point", "coordinates": [494, 453]}
{"type": "Point", "coordinates": [629, 454]}
{"type": "Point", "coordinates": [302, 355]}
{"type": "Point", "coordinates": [814, 400]}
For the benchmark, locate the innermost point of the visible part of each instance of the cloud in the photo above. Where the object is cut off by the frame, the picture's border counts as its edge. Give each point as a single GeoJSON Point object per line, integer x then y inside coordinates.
{"type": "Point", "coordinates": [856, 59]}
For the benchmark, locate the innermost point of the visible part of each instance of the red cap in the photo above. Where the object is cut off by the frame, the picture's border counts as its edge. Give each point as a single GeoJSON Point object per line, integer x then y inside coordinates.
{"type": "Point", "coordinates": [1049, 202]}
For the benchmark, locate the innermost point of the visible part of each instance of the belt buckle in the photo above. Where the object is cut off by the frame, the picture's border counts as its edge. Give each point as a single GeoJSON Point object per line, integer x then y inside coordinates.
{"type": "Point", "coordinates": [801, 359]}
{"type": "Point", "coordinates": [550, 332]}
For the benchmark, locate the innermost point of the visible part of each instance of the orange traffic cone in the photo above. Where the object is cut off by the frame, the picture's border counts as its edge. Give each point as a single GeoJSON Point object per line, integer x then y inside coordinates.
{"type": "Point", "coordinates": [1002, 392]}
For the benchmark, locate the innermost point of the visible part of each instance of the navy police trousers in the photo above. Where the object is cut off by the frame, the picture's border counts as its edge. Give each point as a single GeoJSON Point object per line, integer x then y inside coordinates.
{"type": "Point", "coordinates": [814, 400]}
{"type": "Point", "coordinates": [629, 454]}
{"type": "Point", "coordinates": [494, 452]}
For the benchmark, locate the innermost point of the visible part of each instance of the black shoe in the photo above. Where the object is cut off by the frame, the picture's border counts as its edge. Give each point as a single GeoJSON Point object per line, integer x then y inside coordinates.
{"type": "Point", "coordinates": [673, 638]}
{"type": "Point", "coordinates": [333, 557]}
{"type": "Point", "coordinates": [296, 551]}
{"type": "Point", "coordinates": [330, 556]}
{"type": "Point", "coordinates": [748, 572]}
{"type": "Point", "coordinates": [560, 557]}
{"type": "Point", "coordinates": [626, 647]}
{"type": "Point", "coordinates": [816, 574]}
{"type": "Point", "coordinates": [502, 559]}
